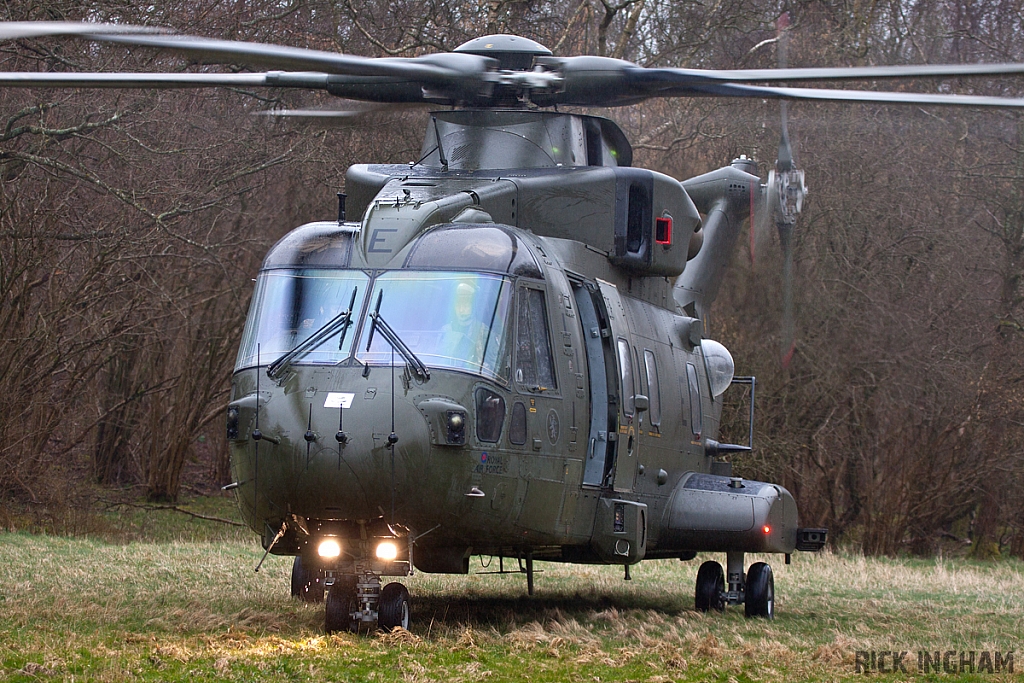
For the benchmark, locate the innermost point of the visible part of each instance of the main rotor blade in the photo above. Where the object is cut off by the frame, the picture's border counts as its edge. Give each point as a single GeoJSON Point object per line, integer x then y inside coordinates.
{"type": "Point", "coordinates": [49, 79]}
{"type": "Point", "coordinates": [464, 77]}
{"type": "Point", "coordinates": [607, 82]}
{"type": "Point", "coordinates": [444, 68]}
{"type": "Point", "coordinates": [18, 30]}
{"type": "Point", "coordinates": [357, 113]}
{"type": "Point", "coordinates": [861, 96]}
{"type": "Point", "coordinates": [853, 73]}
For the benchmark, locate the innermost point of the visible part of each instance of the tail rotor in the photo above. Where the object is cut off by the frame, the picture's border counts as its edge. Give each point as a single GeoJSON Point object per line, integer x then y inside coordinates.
{"type": "Point", "coordinates": [784, 199]}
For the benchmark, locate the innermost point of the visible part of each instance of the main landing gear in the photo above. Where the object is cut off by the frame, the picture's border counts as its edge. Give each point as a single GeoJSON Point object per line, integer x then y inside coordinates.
{"type": "Point", "coordinates": [757, 592]}
{"type": "Point", "coordinates": [353, 601]}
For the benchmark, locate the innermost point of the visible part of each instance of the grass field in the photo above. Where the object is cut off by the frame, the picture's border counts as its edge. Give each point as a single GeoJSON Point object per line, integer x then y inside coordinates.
{"type": "Point", "coordinates": [160, 596]}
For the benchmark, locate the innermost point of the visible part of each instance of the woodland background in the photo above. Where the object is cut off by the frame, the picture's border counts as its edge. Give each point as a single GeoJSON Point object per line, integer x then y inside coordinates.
{"type": "Point", "coordinates": [131, 224]}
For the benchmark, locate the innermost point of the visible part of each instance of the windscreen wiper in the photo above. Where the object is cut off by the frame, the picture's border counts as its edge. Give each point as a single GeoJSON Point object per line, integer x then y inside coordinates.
{"type": "Point", "coordinates": [341, 321]}
{"type": "Point", "coordinates": [396, 342]}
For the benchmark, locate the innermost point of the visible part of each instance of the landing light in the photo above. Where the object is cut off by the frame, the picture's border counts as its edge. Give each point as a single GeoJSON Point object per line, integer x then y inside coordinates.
{"type": "Point", "coordinates": [329, 548]}
{"type": "Point", "coordinates": [387, 551]}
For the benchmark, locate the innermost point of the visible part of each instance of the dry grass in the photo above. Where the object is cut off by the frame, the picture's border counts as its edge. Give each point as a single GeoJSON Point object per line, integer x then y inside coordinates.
{"type": "Point", "coordinates": [90, 610]}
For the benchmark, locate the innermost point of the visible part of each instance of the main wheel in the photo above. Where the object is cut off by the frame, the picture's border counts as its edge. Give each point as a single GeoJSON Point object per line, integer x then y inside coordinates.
{"type": "Point", "coordinates": [760, 591]}
{"type": "Point", "coordinates": [341, 602]}
{"type": "Point", "coordinates": [307, 584]}
{"type": "Point", "coordinates": [393, 609]}
{"type": "Point", "coordinates": [710, 586]}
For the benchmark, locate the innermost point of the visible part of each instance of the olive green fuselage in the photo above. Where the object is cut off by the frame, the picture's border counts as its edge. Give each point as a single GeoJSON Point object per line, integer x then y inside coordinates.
{"type": "Point", "coordinates": [607, 455]}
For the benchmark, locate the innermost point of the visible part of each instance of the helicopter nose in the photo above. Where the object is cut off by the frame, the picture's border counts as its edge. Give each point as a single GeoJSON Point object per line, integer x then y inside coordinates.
{"type": "Point", "coordinates": [365, 459]}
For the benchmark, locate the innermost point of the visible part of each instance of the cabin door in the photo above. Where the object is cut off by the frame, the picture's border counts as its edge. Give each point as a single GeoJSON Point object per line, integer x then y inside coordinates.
{"type": "Point", "coordinates": [597, 341]}
{"type": "Point", "coordinates": [622, 388]}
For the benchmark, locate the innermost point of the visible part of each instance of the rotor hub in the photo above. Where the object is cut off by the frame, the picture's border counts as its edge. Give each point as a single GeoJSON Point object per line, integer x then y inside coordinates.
{"type": "Point", "coordinates": [788, 191]}
{"type": "Point", "coordinates": [514, 53]}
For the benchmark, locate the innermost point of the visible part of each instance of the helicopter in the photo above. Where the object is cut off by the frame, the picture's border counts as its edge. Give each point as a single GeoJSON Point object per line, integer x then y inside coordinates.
{"type": "Point", "coordinates": [505, 352]}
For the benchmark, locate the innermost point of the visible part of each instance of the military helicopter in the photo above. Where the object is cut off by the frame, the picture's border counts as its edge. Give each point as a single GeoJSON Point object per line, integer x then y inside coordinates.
{"type": "Point", "coordinates": [504, 354]}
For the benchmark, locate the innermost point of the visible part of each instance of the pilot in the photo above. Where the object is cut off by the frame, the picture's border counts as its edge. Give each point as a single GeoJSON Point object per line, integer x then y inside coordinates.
{"type": "Point", "coordinates": [464, 337]}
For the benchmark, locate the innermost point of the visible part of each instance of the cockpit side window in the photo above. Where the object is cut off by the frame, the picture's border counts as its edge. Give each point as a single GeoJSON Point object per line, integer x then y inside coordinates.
{"type": "Point", "coordinates": [535, 367]}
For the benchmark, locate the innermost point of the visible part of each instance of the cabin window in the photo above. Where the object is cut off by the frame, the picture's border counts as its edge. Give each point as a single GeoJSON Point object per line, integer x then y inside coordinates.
{"type": "Point", "coordinates": [517, 427]}
{"type": "Point", "coordinates": [653, 386]}
{"type": "Point", "coordinates": [626, 370]}
{"type": "Point", "coordinates": [535, 367]}
{"type": "Point", "coordinates": [490, 414]}
{"type": "Point", "coordinates": [696, 416]}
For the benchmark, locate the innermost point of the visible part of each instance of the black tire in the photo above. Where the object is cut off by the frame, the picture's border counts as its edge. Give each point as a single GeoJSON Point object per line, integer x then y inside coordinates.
{"type": "Point", "coordinates": [710, 586]}
{"type": "Point", "coordinates": [307, 585]}
{"type": "Point", "coordinates": [341, 602]}
{"type": "Point", "coordinates": [393, 610]}
{"type": "Point", "coordinates": [760, 591]}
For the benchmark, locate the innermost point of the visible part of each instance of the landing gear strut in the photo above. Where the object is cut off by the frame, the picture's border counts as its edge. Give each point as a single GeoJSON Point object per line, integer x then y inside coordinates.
{"type": "Point", "coordinates": [756, 593]}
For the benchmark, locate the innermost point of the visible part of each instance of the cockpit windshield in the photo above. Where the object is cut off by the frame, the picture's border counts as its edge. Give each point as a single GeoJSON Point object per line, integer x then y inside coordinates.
{"type": "Point", "coordinates": [455, 320]}
{"type": "Point", "coordinates": [290, 305]}
{"type": "Point", "coordinates": [449, 320]}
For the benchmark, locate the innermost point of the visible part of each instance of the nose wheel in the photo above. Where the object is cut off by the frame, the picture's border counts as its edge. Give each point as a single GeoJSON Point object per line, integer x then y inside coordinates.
{"type": "Point", "coordinates": [342, 604]}
{"type": "Point", "coordinates": [756, 593]}
{"type": "Point", "coordinates": [357, 601]}
{"type": "Point", "coordinates": [393, 611]}
{"type": "Point", "coordinates": [307, 582]}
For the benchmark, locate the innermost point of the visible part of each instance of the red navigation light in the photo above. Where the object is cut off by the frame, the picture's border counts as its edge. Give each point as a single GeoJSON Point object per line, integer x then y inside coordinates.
{"type": "Point", "coordinates": [663, 230]}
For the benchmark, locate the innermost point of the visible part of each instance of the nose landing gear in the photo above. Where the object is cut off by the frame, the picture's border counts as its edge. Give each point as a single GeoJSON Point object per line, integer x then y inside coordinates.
{"type": "Point", "coordinates": [756, 593]}
{"type": "Point", "coordinates": [357, 601]}
{"type": "Point", "coordinates": [307, 582]}
{"type": "Point", "coordinates": [393, 610]}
